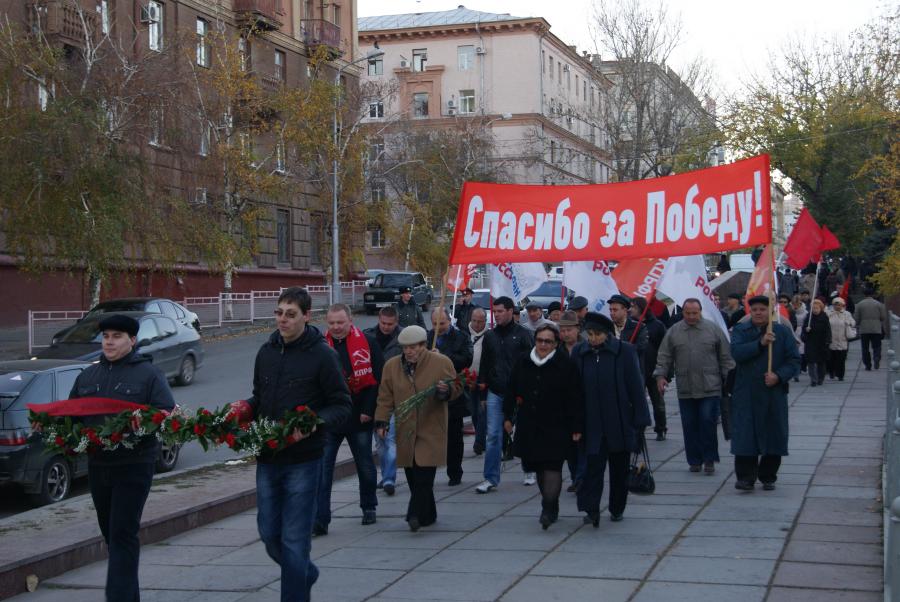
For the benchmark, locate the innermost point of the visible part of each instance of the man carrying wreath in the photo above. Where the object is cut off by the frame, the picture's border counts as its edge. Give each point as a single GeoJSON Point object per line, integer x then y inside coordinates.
{"type": "Point", "coordinates": [295, 367]}
{"type": "Point", "coordinates": [120, 479]}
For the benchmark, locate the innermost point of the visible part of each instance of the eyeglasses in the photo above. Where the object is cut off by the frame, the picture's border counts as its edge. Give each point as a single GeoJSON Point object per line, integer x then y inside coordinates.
{"type": "Point", "coordinates": [545, 341]}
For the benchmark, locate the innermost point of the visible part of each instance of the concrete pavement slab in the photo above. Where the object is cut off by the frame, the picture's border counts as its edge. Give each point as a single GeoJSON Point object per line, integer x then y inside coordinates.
{"type": "Point", "coordinates": [375, 558]}
{"type": "Point", "coordinates": [794, 594]}
{"type": "Point", "coordinates": [692, 592]}
{"type": "Point", "coordinates": [517, 533]}
{"type": "Point", "coordinates": [595, 565]}
{"type": "Point", "coordinates": [431, 585]}
{"type": "Point", "coordinates": [835, 553]}
{"type": "Point", "coordinates": [767, 548]}
{"type": "Point", "coordinates": [838, 533]}
{"type": "Point", "coordinates": [566, 589]}
{"type": "Point", "coordinates": [513, 562]}
{"type": "Point", "coordinates": [829, 576]}
{"type": "Point", "coordinates": [731, 571]}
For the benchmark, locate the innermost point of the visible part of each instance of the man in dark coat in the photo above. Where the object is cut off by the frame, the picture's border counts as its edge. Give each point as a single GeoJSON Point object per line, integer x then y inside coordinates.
{"type": "Point", "coordinates": [385, 334]}
{"type": "Point", "coordinates": [759, 403]}
{"type": "Point", "coordinates": [655, 334]}
{"type": "Point", "coordinates": [734, 309]}
{"type": "Point", "coordinates": [462, 312]}
{"type": "Point", "coordinates": [615, 414]}
{"type": "Point", "coordinates": [120, 479]}
{"type": "Point", "coordinates": [362, 362]}
{"type": "Point", "coordinates": [408, 311]}
{"type": "Point", "coordinates": [625, 328]}
{"type": "Point", "coordinates": [457, 346]}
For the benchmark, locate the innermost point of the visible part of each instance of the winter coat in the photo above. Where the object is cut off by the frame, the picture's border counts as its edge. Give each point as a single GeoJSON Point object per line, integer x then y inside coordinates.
{"type": "Point", "coordinates": [305, 371]}
{"type": "Point", "coordinates": [759, 414]}
{"type": "Point", "coordinates": [641, 340]}
{"type": "Point", "coordinates": [841, 322]}
{"type": "Point", "coordinates": [462, 312]}
{"type": "Point", "coordinates": [458, 347]}
{"type": "Point", "coordinates": [613, 388]}
{"type": "Point", "coordinates": [388, 345]}
{"type": "Point", "coordinates": [502, 346]}
{"type": "Point", "coordinates": [546, 405]}
{"type": "Point", "coordinates": [800, 314]}
{"type": "Point", "coordinates": [410, 314]}
{"type": "Point", "coordinates": [422, 435]}
{"type": "Point", "coordinates": [871, 317]}
{"type": "Point", "coordinates": [818, 338]}
{"type": "Point", "coordinates": [132, 378]}
{"type": "Point", "coordinates": [656, 332]}
{"type": "Point", "coordinates": [700, 356]}
{"type": "Point", "coordinates": [364, 401]}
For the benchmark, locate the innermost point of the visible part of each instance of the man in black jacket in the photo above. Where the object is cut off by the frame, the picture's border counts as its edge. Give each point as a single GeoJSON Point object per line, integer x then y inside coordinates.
{"type": "Point", "coordinates": [120, 479]}
{"type": "Point", "coordinates": [627, 329]}
{"type": "Point", "coordinates": [456, 346]}
{"type": "Point", "coordinates": [408, 310]}
{"type": "Point", "coordinates": [385, 334]}
{"type": "Point", "coordinates": [501, 347]}
{"type": "Point", "coordinates": [463, 310]}
{"type": "Point", "coordinates": [362, 362]}
{"type": "Point", "coordinates": [656, 332]}
{"type": "Point", "coordinates": [295, 367]}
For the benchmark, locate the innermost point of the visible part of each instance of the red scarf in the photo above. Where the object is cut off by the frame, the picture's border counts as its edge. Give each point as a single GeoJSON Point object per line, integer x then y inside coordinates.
{"type": "Point", "coordinates": [362, 375]}
{"type": "Point", "coordinates": [85, 406]}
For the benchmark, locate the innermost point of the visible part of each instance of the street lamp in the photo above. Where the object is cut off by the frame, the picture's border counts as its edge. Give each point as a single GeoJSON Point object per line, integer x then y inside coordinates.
{"type": "Point", "coordinates": [335, 243]}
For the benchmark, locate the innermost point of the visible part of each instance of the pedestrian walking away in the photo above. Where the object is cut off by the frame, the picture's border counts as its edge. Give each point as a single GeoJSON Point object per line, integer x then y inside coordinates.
{"type": "Point", "coordinates": [843, 330]}
{"type": "Point", "coordinates": [477, 329]}
{"type": "Point", "coordinates": [872, 325]}
{"type": "Point", "coordinates": [422, 433]}
{"type": "Point", "coordinates": [697, 351]}
{"type": "Point", "coordinates": [656, 331]}
{"type": "Point", "coordinates": [615, 412]}
{"type": "Point", "coordinates": [544, 401]}
{"type": "Point", "coordinates": [759, 404]}
{"type": "Point", "coordinates": [361, 361]}
{"type": "Point", "coordinates": [120, 479]}
{"type": "Point", "coordinates": [294, 366]}
{"type": "Point", "coordinates": [816, 337]}
{"type": "Point", "coordinates": [457, 347]}
{"type": "Point", "coordinates": [385, 334]}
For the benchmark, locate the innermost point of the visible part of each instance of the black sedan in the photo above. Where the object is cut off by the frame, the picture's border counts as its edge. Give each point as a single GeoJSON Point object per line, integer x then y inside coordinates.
{"type": "Point", "coordinates": [44, 478]}
{"type": "Point", "coordinates": [152, 305]}
{"type": "Point", "coordinates": [175, 348]}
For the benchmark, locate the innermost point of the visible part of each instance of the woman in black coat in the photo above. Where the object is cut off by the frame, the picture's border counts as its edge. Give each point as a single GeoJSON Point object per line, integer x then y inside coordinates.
{"type": "Point", "coordinates": [544, 401]}
{"type": "Point", "coordinates": [816, 337]}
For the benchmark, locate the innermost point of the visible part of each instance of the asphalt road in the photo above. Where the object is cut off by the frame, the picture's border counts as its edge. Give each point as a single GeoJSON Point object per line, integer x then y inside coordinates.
{"type": "Point", "coordinates": [226, 376]}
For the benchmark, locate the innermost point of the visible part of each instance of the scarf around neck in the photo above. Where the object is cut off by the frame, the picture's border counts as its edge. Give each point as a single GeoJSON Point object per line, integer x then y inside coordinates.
{"type": "Point", "coordinates": [362, 375]}
{"type": "Point", "coordinates": [538, 361]}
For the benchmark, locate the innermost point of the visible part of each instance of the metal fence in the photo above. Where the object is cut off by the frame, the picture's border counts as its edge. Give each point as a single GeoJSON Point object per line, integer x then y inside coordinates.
{"type": "Point", "coordinates": [42, 325]}
{"type": "Point", "coordinates": [891, 483]}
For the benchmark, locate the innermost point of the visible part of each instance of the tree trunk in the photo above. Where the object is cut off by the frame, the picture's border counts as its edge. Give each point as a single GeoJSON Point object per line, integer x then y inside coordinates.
{"type": "Point", "coordinates": [228, 310]}
{"type": "Point", "coordinates": [94, 283]}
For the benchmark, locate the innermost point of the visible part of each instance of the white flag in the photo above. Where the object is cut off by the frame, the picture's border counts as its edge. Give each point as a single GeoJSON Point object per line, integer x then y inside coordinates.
{"type": "Point", "coordinates": [685, 278]}
{"type": "Point", "coordinates": [591, 280]}
{"type": "Point", "coordinates": [516, 280]}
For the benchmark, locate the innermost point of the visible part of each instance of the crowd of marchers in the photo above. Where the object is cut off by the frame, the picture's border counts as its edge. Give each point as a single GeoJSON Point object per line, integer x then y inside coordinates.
{"type": "Point", "coordinates": [574, 388]}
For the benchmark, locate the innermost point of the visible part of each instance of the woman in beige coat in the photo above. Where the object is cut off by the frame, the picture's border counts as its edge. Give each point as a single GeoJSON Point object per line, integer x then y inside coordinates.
{"type": "Point", "coordinates": [843, 328]}
{"type": "Point", "coordinates": [422, 435]}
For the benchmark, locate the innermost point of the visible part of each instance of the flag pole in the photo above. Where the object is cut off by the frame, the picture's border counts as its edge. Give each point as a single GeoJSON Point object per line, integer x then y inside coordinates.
{"type": "Point", "coordinates": [772, 310]}
{"type": "Point", "coordinates": [813, 298]}
{"type": "Point", "coordinates": [643, 315]}
{"type": "Point", "coordinates": [441, 306]}
{"type": "Point", "coordinates": [455, 291]}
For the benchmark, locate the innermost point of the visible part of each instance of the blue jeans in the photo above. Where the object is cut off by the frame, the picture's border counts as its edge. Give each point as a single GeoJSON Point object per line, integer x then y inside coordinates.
{"type": "Point", "coordinates": [286, 506]}
{"type": "Point", "coordinates": [360, 443]}
{"type": "Point", "coordinates": [698, 421]}
{"type": "Point", "coordinates": [494, 438]}
{"type": "Point", "coordinates": [481, 425]}
{"type": "Point", "coordinates": [387, 449]}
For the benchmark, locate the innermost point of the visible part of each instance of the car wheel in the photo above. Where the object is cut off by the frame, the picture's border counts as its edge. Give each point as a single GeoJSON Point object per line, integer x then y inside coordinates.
{"type": "Point", "coordinates": [186, 372]}
{"type": "Point", "coordinates": [56, 482]}
{"type": "Point", "coordinates": [168, 457]}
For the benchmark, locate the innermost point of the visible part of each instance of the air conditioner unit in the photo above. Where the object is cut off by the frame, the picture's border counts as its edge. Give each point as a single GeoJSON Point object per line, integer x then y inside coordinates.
{"type": "Point", "coordinates": [479, 50]}
{"type": "Point", "coordinates": [451, 111]}
{"type": "Point", "coordinates": [403, 64]}
{"type": "Point", "coordinates": [566, 68]}
{"type": "Point", "coordinates": [450, 104]}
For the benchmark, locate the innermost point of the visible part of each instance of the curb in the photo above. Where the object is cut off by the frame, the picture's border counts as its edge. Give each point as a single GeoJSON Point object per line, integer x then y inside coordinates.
{"type": "Point", "coordinates": [71, 555]}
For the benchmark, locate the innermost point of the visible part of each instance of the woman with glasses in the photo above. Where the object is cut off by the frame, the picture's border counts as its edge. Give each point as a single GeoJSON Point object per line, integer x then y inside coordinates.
{"type": "Point", "coordinates": [544, 401]}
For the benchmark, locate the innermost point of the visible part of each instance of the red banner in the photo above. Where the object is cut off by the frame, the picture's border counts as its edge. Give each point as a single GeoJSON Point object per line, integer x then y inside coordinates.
{"type": "Point", "coordinates": [85, 406]}
{"type": "Point", "coordinates": [705, 211]}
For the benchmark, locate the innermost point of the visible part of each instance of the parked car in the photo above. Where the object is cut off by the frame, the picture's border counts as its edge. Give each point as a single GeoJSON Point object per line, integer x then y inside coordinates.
{"type": "Point", "coordinates": [175, 348]}
{"type": "Point", "coordinates": [549, 291]}
{"type": "Point", "coordinates": [44, 478]}
{"type": "Point", "coordinates": [385, 290]}
{"type": "Point", "coordinates": [371, 274]}
{"type": "Point", "coordinates": [153, 305]}
{"type": "Point", "coordinates": [482, 298]}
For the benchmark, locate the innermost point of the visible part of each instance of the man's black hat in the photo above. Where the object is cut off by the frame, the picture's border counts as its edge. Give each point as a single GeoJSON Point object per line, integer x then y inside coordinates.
{"type": "Point", "coordinates": [759, 299]}
{"type": "Point", "coordinates": [405, 289]}
{"type": "Point", "coordinates": [125, 324]}
{"type": "Point", "coordinates": [598, 322]}
{"type": "Point", "coordinates": [736, 296]}
{"type": "Point", "coordinates": [554, 305]}
{"type": "Point", "coordinates": [578, 303]}
{"type": "Point", "coordinates": [467, 291]}
{"type": "Point", "coordinates": [621, 300]}
{"type": "Point", "coordinates": [533, 305]}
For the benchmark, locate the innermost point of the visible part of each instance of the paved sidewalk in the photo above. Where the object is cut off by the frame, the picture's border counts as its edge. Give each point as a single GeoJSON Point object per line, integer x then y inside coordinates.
{"type": "Point", "coordinates": [816, 537]}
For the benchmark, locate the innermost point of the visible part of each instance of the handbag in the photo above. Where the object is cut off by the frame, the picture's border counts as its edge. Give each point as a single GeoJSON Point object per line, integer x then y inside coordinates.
{"type": "Point", "coordinates": [640, 476]}
{"type": "Point", "coordinates": [851, 332]}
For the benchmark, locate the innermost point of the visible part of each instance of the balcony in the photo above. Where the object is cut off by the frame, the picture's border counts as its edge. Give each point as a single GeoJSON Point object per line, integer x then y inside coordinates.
{"type": "Point", "coordinates": [259, 13]}
{"type": "Point", "coordinates": [317, 32]}
{"type": "Point", "coordinates": [59, 20]}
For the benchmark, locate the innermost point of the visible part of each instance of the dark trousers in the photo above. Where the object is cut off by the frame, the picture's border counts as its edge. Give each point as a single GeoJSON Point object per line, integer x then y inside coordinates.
{"type": "Point", "coordinates": [659, 405]}
{"type": "Point", "coordinates": [119, 494]}
{"type": "Point", "coordinates": [873, 341]}
{"type": "Point", "coordinates": [592, 487]}
{"type": "Point", "coordinates": [360, 443]}
{"type": "Point", "coordinates": [816, 372]}
{"type": "Point", "coordinates": [837, 360]}
{"type": "Point", "coordinates": [421, 494]}
{"type": "Point", "coordinates": [749, 468]}
{"type": "Point", "coordinates": [455, 441]}
{"type": "Point", "coordinates": [698, 421]}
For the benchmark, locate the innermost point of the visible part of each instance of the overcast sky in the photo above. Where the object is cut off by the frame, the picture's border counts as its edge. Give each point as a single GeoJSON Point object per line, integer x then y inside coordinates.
{"type": "Point", "coordinates": [735, 37]}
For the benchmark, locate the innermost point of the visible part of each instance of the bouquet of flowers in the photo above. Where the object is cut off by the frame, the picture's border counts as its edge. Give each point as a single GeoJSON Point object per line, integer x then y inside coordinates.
{"type": "Point", "coordinates": [467, 379]}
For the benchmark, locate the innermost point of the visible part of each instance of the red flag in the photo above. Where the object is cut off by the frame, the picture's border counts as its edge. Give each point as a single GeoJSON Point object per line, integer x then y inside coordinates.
{"type": "Point", "coordinates": [845, 290]}
{"type": "Point", "coordinates": [762, 282]}
{"type": "Point", "coordinates": [638, 277]}
{"type": "Point", "coordinates": [805, 241]}
{"type": "Point", "coordinates": [829, 240]}
{"type": "Point", "coordinates": [458, 276]}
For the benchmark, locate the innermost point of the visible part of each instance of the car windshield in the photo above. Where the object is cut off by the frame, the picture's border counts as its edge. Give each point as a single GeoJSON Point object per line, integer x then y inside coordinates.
{"type": "Point", "coordinates": [551, 288]}
{"type": "Point", "coordinates": [12, 383]}
{"type": "Point", "coordinates": [482, 299]}
{"type": "Point", "coordinates": [117, 305]}
{"type": "Point", "coordinates": [85, 331]}
{"type": "Point", "coordinates": [393, 280]}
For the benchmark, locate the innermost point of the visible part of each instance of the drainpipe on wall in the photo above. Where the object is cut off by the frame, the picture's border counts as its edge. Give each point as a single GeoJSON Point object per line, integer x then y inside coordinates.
{"type": "Point", "coordinates": [481, 92]}
{"type": "Point", "coordinates": [541, 99]}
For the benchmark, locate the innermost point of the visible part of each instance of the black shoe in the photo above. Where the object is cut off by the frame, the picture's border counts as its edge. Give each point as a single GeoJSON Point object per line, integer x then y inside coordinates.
{"type": "Point", "coordinates": [368, 517]}
{"type": "Point", "coordinates": [319, 529]}
{"type": "Point", "coordinates": [477, 449]}
{"type": "Point", "coordinates": [615, 517]}
{"type": "Point", "coordinates": [574, 487]}
{"type": "Point", "coordinates": [546, 520]}
{"type": "Point", "coordinates": [593, 518]}
{"type": "Point", "coordinates": [661, 436]}
{"type": "Point", "coordinates": [413, 524]}
{"type": "Point", "coordinates": [877, 364]}
{"type": "Point", "coordinates": [389, 489]}
{"type": "Point", "coordinates": [380, 485]}
{"type": "Point", "coordinates": [768, 486]}
{"type": "Point", "coordinates": [813, 384]}
{"type": "Point", "coordinates": [743, 485]}
{"type": "Point", "coordinates": [868, 368]}
{"type": "Point", "coordinates": [453, 482]}
{"type": "Point", "coordinates": [841, 378]}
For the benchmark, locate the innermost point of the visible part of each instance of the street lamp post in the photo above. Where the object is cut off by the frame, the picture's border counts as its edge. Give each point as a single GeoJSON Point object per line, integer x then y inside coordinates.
{"type": "Point", "coordinates": [335, 242]}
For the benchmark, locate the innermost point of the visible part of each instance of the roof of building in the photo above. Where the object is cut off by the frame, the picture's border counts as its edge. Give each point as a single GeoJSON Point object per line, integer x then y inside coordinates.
{"type": "Point", "coordinates": [458, 16]}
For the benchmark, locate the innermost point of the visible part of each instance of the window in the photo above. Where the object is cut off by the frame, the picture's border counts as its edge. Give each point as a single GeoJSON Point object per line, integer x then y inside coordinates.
{"type": "Point", "coordinates": [465, 57]}
{"type": "Point", "coordinates": [155, 25]}
{"type": "Point", "coordinates": [308, 10]}
{"type": "Point", "coordinates": [244, 54]}
{"type": "Point", "coordinates": [309, 71]}
{"type": "Point", "coordinates": [147, 330]}
{"type": "Point", "coordinates": [280, 66]}
{"type": "Point", "coordinates": [165, 325]}
{"type": "Point", "coordinates": [199, 196]}
{"type": "Point", "coordinates": [376, 109]}
{"type": "Point", "coordinates": [576, 86]}
{"type": "Point", "coordinates": [316, 232]}
{"type": "Point", "coordinates": [103, 10]}
{"type": "Point", "coordinates": [377, 191]}
{"type": "Point", "coordinates": [420, 57]}
{"type": "Point", "coordinates": [466, 101]}
{"type": "Point", "coordinates": [376, 150]}
{"type": "Point", "coordinates": [45, 93]}
{"type": "Point", "coordinates": [376, 237]}
{"type": "Point", "coordinates": [376, 66]}
{"type": "Point", "coordinates": [204, 138]}
{"type": "Point", "coordinates": [336, 17]}
{"type": "Point", "coordinates": [551, 67]}
{"type": "Point", "coordinates": [202, 48]}
{"type": "Point", "coordinates": [279, 157]}
{"type": "Point", "coordinates": [420, 104]}
{"type": "Point", "coordinates": [543, 64]}
{"type": "Point", "coordinates": [65, 380]}
{"type": "Point", "coordinates": [568, 78]}
{"type": "Point", "coordinates": [283, 234]}
{"type": "Point", "coordinates": [559, 73]}
{"type": "Point", "coordinates": [584, 89]}
{"type": "Point", "coordinates": [157, 125]}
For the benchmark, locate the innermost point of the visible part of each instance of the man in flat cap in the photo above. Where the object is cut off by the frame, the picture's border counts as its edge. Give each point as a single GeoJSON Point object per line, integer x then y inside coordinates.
{"type": "Point", "coordinates": [120, 479]}
{"type": "Point", "coordinates": [759, 402]}
{"type": "Point", "coordinates": [408, 311]}
{"type": "Point", "coordinates": [735, 309]}
{"type": "Point", "coordinates": [534, 316]}
{"type": "Point", "coordinates": [554, 311]}
{"type": "Point", "coordinates": [627, 328]}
